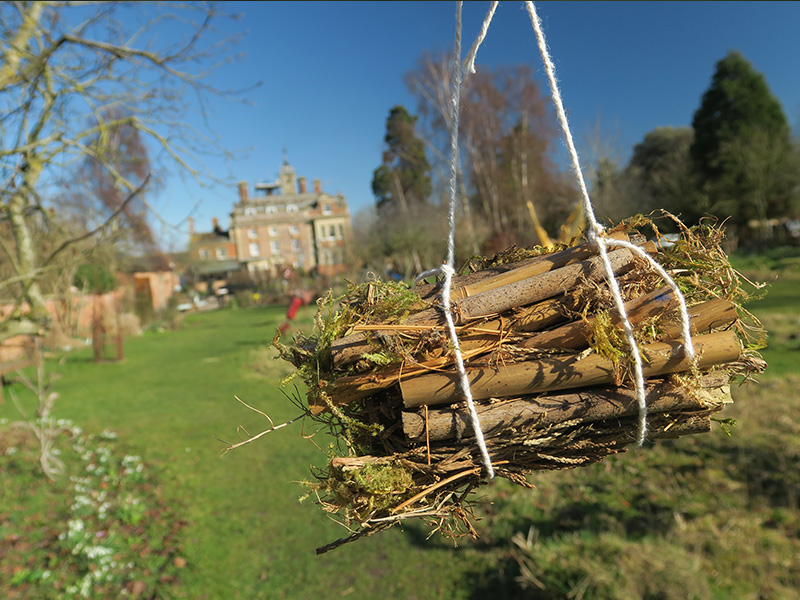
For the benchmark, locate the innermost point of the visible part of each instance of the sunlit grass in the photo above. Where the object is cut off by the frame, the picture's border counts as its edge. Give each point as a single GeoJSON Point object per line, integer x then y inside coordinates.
{"type": "Point", "coordinates": [719, 509]}
{"type": "Point", "coordinates": [247, 535]}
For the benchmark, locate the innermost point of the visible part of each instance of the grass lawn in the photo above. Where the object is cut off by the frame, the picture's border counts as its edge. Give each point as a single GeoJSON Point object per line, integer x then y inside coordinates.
{"type": "Point", "coordinates": [247, 536]}
{"type": "Point", "coordinates": [711, 516]}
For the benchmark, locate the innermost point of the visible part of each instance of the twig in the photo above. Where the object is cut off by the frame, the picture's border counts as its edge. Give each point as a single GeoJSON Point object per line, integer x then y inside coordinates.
{"type": "Point", "coordinates": [91, 233]}
{"type": "Point", "coordinates": [263, 433]}
{"type": "Point", "coordinates": [435, 486]}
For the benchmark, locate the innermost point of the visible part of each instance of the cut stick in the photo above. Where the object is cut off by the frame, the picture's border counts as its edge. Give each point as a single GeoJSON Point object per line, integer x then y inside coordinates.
{"type": "Point", "coordinates": [575, 335]}
{"type": "Point", "coordinates": [538, 266]}
{"type": "Point", "coordinates": [544, 375]}
{"type": "Point", "coordinates": [704, 317]}
{"type": "Point", "coordinates": [591, 404]}
{"type": "Point", "coordinates": [473, 341]}
{"type": "Point", "coordinates": [536, 289]}
{"type": "Point", "coordinates": [488, 304]}
{"type": "Point", "coordinates": [489, 279]}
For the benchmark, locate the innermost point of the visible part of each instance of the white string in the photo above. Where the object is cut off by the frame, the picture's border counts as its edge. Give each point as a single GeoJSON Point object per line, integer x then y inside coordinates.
{"type": "Point", "coordinates": [449, 267]}
{"type": "Point", "coordinates": [595, 237]}
{"type": "Point", "coordinates": [469, 62]}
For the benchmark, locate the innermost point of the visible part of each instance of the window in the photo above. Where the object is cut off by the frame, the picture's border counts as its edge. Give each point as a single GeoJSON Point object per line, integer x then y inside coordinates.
{"type": "Point", "coordinates": [204, 254]}
{"type": "Point", "coordinates": [249, 212]}
{"type": "Point", "coordinates": [252, 233]}
{"type": "Point", "coordinates": [326, 209]}
{"type": "Point", "coordinates": [295, 246]}
{"type": "Point", "coordinates": [341, 231]}
{"type": "Point", "coordinates": [254, 249]}
{"type": "Point", "coordinates": [275, 247]}
{"type": "Point", "coordinates": [271, 210]}
{"type": "Point", "coordinates": [291, 208]}
{"type": "Point", "coordinates": [332, 232]}
{"type": "Point", "coordinates": [294, 229]}
{"type": "Point", "coordinates": [273, 231]}
{"type": "Point", "coordinates": [221, 254]}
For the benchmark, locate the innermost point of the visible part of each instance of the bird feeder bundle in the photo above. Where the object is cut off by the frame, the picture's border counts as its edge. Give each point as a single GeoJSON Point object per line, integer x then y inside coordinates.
{"type": "Point", "coordinates": [549, 369]}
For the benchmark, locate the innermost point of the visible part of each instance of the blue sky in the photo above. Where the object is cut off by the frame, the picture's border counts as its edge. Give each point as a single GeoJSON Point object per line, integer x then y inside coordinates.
{"type": "Point", "coordinates": [330, 72]}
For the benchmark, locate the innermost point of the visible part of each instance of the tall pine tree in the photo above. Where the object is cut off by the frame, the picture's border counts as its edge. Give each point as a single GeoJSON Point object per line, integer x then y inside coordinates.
{"type": "Point", "coordinates": [742, 149]}
{"type": "Point", "coordinates": [403, 181]}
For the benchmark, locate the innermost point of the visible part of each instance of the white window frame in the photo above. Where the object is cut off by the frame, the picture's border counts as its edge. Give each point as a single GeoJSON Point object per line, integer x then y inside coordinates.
{"type": "Point", "coordinates": [254, 249]}
{"type": "Point", "coordinates": [275, 247]}
{"type": "Point", "coordinates": [252, 233]}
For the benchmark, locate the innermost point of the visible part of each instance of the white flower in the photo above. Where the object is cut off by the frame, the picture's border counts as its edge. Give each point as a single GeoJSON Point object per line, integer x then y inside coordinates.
{"type": "Point", "coordinates": [76, 525]}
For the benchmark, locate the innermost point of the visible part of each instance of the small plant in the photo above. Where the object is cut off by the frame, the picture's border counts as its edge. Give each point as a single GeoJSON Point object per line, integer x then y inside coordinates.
{"type": "Point", "coordinates": [114, 535]}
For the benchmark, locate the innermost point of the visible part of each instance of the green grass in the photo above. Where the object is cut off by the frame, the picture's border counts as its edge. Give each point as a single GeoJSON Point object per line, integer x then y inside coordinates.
{"type": "Point", "coordinates": [710, 516]}
{"type": "Point", "coordinates": [247, 534]}
{"type": "Point", "coordinates": [779, 311]}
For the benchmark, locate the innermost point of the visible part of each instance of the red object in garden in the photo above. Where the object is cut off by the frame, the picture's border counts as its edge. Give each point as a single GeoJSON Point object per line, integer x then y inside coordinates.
{"type": "Point", "coordinates": [294, 306]}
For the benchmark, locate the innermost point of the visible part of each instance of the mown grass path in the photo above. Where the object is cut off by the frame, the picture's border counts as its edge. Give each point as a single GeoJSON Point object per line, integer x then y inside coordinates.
{"type": "Point", "coordinates": [711, 516]}
{"type": "Point", "coordinates": [248, 536]}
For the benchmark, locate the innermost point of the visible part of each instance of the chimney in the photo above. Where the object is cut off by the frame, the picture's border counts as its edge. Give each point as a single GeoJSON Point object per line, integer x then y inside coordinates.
{"type": "Point", "coordinates": [242, 191]}
{"type": "Point", "coordinates": [215, 223]}
{"type": "Point", "coordinates": [191, 226]}
{"type": "Point", "coordinates": [317, 186]}
{"type": "Point", "coordinates": [302, 181]}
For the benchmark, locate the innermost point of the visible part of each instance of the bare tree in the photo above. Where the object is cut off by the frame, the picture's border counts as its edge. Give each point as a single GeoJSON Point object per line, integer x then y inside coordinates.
{"type": "Point", "coordinates": [506, 132]}
{"type": "Point", "coordinates": [80, 84]}
{"type": "Point", "coordinates": [73, 75]}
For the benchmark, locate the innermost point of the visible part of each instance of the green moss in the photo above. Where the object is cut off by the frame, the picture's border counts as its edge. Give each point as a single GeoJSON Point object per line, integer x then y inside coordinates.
{"type": "Point", "coordinates": [363, 492]}
{"type": "Point", "coordinates": [607, 339]}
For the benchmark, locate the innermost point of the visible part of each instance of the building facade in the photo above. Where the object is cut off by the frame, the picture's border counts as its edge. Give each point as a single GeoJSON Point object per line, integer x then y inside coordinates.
{"type": "Point", "coordinates": [284, 225]}
{"type": "Point", "coordinates": [212, 254]}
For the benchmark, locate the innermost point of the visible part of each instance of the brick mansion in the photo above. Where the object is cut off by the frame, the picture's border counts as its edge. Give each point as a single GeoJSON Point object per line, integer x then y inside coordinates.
{"type": "Point", "coordinates": [281, 225]}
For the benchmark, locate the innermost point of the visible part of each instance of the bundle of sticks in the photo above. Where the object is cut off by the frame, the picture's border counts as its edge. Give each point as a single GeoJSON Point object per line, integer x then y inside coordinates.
{"type": "Point", "coordinates": [547, 363]}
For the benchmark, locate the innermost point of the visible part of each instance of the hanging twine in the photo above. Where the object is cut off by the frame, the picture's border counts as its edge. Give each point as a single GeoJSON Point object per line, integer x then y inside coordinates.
{"type": "Point", "coordinates": [595, 235]}
{"type": "Point", "coordinates": [448, 268]}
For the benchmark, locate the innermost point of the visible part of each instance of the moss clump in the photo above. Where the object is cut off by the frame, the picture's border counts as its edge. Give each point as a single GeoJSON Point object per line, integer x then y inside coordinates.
{"type": "Point", "coordinates": [608, 340]}
{"type": "Point", "coordinates": [368, 490]}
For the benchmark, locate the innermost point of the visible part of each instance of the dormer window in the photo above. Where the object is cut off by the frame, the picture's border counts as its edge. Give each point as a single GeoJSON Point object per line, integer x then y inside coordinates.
{"type": "Point", "coordinates": [271, 210]}
{"type": "Point", "coordinates": [249, 212]}
{"type": "Point", "coordinates": [326, 209]}
{"type": "Point", "coordinates": [291, 208]}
